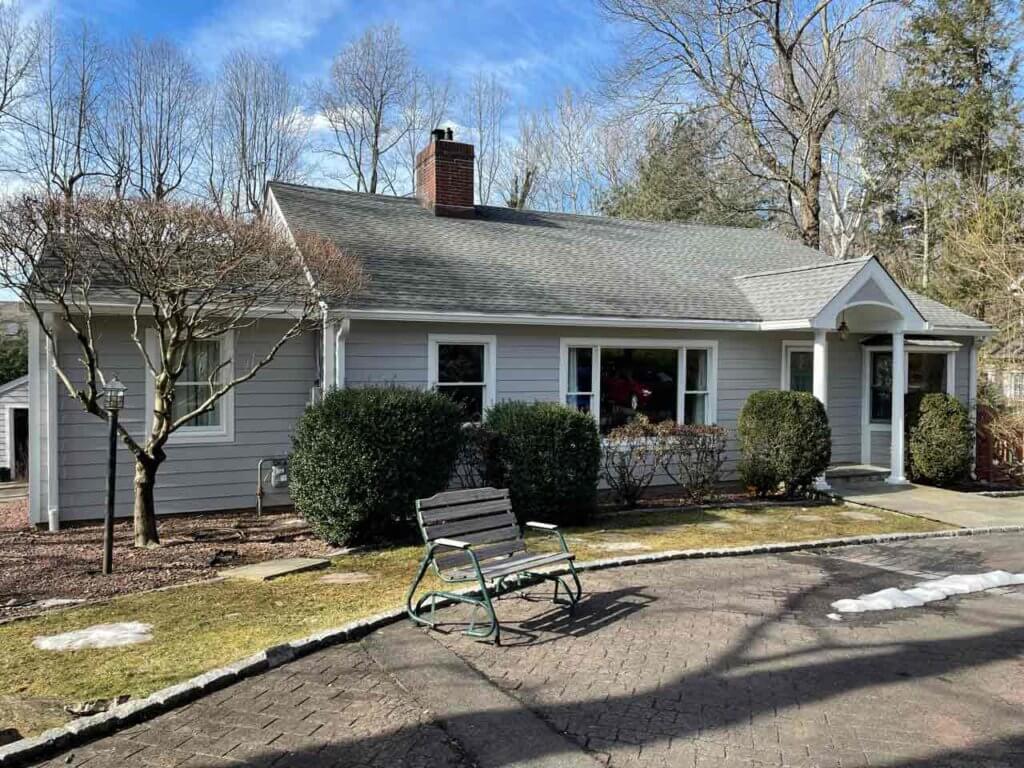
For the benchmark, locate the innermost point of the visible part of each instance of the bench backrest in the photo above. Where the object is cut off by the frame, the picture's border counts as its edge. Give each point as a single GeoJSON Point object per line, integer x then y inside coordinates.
{"type": "Point", "coordinates": [481, 516]}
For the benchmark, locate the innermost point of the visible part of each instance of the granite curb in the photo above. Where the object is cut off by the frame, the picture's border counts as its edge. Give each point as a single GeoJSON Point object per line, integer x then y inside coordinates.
{"type": "Point", "coordinates": [85, 729]}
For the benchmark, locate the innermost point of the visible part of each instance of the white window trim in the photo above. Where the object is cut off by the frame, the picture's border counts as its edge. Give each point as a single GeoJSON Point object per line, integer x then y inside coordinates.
{"type": "Point", "coordinates": [868, 426]}
{"type": "Point", "coordinates": [680, 345]}
{"type": "Point", "coordinates": [490, 344]}
{"type": "Point", "coordinates": [788, 347]}
{"type": "Point", "coordinates": [223, 433]}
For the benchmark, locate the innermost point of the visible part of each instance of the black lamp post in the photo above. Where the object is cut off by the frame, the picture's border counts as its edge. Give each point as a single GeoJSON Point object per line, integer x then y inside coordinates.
{"type": "Point", "coordinates": [113, 401]}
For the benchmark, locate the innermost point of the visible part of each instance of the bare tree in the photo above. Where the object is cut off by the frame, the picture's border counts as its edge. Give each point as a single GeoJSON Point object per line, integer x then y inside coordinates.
{"type": "Point", "coordinates": [159, 97]}
{"type": "Point", "coordinates": [19, 43]}
{"type": "Point", "coordinates": [528, 159]}
{"type": "Point", "coordinates": [571, 125]}
{"type": "Point", "coordinates": [190, 276]}
{"type": "Point", "coordinates": [256, 133]}
{"type": "Point", "coordinates": [776, 68]}
{"type": "Point", "coordinates": [428, 103]}
{"type": "Point", "coordinates": [486, 107]}
{"type": "Point", "coordinates": [363, 103]}
{"type": "Point", "coordinates": [58, 120]}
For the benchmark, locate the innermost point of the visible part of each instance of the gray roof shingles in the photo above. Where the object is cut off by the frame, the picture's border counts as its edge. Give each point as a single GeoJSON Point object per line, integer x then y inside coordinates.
{"type": "Point", "coordinates": [507, 261]}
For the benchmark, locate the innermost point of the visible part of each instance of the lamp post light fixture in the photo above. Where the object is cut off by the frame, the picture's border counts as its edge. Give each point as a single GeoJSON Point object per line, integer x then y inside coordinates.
{"type": "Point", "coordinates": [113, 401]}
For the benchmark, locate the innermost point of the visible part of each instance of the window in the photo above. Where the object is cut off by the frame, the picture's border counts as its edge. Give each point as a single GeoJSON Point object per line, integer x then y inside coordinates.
{"type": "Point", "coordinates": [204, 359]}
{"type": "Point", "coordinates": [881, 387]}
{"type": "Point", "coordinates": [194, 387]}
{"type": "Point", "coordinates": [462, 368]}
{"type": "Point", "coordinates": [797, 367]}
{"type": "Point", "coordinates": [926, 374]}
{"type": "Point", "coordinates": [1013, 385]}
{"type": "Point", "coordinates": [617, 381]}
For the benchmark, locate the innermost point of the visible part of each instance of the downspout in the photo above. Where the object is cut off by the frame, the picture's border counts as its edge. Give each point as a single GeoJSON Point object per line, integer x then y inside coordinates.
{"type": "Point", "coordinates": [340, 336]}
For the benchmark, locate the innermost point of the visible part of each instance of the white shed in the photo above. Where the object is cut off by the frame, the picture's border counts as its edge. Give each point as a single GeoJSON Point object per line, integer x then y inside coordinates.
{"type": "Point", "coordinates": [14, 428]}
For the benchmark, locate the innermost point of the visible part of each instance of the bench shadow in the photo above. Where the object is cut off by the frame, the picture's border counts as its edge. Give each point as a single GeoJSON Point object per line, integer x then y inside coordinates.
{"type": "Point", "coordinates": [595, 611]}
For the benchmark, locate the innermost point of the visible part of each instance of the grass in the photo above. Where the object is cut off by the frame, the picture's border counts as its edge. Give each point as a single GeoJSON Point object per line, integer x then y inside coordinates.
{"type": "Point", "coordinates": [201, 627]}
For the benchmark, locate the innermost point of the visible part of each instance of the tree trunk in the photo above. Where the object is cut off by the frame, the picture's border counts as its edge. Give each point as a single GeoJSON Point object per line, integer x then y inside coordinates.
{"type": "Point", "coordinates": [145, 508]}
{"type": "Point", "coordinates": [810, 198]}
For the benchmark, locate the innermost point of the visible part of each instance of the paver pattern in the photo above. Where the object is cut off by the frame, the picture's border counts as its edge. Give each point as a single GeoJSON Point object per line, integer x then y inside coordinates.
{"type": "Point", "coordinates": [729, 662]}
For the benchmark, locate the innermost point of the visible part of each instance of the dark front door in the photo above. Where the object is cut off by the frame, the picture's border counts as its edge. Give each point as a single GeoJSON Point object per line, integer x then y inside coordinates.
{"type": "Point", "coordinates": [19, 470]}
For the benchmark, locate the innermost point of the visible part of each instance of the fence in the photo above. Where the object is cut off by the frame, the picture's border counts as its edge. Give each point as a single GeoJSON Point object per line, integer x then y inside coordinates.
{"type": "Point", "coordinates": [1000, 458]}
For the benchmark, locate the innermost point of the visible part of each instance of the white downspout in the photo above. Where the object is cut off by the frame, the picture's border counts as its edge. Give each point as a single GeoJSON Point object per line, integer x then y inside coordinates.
{"type": "Point", "coordinates": [340, 336]}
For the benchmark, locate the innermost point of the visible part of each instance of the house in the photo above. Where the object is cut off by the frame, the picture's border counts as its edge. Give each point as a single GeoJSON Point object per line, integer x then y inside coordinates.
{"type": "Point", "coordinates": [14, 429]}
{"type": "Point", "coordinates": [610, 316]}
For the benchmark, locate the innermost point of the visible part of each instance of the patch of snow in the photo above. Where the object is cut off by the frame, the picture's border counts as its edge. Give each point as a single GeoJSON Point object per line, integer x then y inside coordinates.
{"type": "Point", "coordinates": [834, 616]}
{"type": "Point", "coordinates": [927, 592]}
{"type": "Point", "coordinates": [96, 636]}
{"type": "Point", "coordinates": [56, 602]}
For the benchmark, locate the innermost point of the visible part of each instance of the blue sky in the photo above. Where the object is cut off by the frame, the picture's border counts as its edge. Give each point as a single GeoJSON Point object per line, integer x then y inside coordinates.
{"type": "Point", "coordinates": [536, 47]}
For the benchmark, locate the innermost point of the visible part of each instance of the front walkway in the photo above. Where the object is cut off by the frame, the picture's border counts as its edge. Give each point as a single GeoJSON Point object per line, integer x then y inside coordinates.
{"type": "Point", "coordinates": [725, 663]}
{"type": "Point", "coordinates": [964, 510]}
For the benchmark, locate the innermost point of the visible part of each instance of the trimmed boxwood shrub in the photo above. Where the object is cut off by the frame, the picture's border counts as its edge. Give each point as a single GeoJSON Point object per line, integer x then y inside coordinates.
{"type": "Point", "coordinates": [548, 456]}
{"type": "Point", "coordinates": [362, 457]}
{"type": "Point", "coordinates": [940, 441]}
{"type": "Point", "coordinates": [785, 440]}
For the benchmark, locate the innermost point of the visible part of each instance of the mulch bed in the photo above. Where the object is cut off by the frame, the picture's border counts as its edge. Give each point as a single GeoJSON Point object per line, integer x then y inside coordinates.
{"type": "Point", "coordinates": [36, 565]}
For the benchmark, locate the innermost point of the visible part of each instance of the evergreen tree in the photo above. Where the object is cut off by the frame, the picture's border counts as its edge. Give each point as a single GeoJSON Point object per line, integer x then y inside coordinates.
{"type": "Point", "coordinates": [949, 127]}
{"type": "Point", "coordinates": [686, 175]}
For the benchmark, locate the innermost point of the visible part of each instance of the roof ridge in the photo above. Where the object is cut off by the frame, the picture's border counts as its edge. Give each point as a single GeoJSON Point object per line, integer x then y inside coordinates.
{"type": "Point", "coordinates": [557, 214]}
{"type": "Point", "coordinates": [804, 267]}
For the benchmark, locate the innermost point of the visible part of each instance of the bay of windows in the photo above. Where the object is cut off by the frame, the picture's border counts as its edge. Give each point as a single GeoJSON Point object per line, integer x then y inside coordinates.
{"type": "Point", "coordinates": [616, 382]}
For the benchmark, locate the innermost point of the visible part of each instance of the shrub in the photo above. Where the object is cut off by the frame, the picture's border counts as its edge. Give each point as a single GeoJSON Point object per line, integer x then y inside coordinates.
{"type": "Point", "coordinates": [693, 456]}
{"type": "Point", "coordinates": [785, 440]}
{"type": "Point", "coordinates": [471, 464]}
{"type": "Point", "coordinates": [548, 456]}
{"type": "Point", "coordinates": [362, 457]}
{"type": "Point", "coordinates": [631, 456]}
{"type": "Point", "coordinates": [940, 442]}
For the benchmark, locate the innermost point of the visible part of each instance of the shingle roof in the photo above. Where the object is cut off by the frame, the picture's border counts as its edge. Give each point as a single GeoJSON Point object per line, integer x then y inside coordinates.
{"type": "Point", "coordinates": [507, 261]}
{"type": "Point", "coordinates": [800, 292]}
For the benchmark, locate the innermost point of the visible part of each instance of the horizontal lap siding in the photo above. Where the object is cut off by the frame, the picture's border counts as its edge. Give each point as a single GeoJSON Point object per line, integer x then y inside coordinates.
{"type": "Point", "coordinates": [194, 477]}
{"type": "Point", "coordinates": [392, 353]}
{"type": "Point", "coordinates": [845, 397]}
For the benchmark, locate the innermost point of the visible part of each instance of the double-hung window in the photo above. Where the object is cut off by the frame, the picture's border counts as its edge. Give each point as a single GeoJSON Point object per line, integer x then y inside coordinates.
{"type": "Point", "coordinates": [463, 369]}
{"type": "Point", "coordinates": [797, 367]}
{"type": "Point", "coordinates": [618, 380]}
{"type": "Point", "coordinates": [206, 367]}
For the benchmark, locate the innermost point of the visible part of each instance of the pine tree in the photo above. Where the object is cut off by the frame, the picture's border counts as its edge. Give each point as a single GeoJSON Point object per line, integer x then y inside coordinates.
{"type": "Point", "coordinates": [949, 128]}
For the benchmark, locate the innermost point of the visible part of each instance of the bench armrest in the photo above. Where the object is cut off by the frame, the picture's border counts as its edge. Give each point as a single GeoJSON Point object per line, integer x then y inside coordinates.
{"type": "Point", "coordinates": [453, 543]}
{"type": "Point", "coordinates": [549, 528]}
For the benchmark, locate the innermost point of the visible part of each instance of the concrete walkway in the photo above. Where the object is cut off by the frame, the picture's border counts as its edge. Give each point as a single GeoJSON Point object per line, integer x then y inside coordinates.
{"type": "Point", "coordinates": [964, 510]}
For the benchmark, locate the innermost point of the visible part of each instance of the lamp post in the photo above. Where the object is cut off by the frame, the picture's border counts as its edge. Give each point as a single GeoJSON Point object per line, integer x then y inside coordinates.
{"type": "Point", "coordinates": [113, 401]}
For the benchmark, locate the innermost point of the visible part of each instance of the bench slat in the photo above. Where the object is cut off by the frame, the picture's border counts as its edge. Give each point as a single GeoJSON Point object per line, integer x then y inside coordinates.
{"type": "Point", "coordinates": [448, 498]}
{"type": "Point", "coordinates": [455, 528]}
{"type": "Point", "coordinates": [476, 509]}
{"type": "Point", "coordinates": [455, 558]}
{"type": "Point", "coordinates": [517, 564]}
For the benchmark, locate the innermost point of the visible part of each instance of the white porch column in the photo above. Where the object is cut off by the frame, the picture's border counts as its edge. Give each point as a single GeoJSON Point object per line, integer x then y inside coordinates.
{"type": "Point", "coordinates": [820, 374]}
{"type": "Point", "coordinates": [819, 384]}
{"type": "Point", "coordinates": [899, 388]}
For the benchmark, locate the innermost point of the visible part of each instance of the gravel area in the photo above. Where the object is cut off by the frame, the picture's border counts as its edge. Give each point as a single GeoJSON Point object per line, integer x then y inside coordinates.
{"type": "Point", "coordinates": [37, 566]}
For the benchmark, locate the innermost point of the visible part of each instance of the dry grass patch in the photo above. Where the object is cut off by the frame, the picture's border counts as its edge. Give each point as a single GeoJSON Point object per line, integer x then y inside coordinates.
{"type": "Point", "coordinates": [198, 628]}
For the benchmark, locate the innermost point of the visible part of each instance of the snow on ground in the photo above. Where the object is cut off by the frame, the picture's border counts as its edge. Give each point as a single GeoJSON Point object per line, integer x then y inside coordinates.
{"type": "Point", "coordinates": [96, 636]}
{"type": "Point", "coordinates": [927, 592]}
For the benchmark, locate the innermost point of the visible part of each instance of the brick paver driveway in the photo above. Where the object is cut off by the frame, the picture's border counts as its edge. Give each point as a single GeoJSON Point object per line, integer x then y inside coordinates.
{"type": "Point", "coordinates": [730, 662]}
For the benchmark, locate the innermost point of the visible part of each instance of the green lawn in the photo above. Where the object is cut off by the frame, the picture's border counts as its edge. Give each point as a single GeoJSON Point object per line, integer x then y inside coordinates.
{"type": "Point", "coordinates": [201, 627]}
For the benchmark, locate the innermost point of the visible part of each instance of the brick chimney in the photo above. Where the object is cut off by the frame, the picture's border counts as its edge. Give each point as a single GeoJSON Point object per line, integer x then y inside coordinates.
{"type": "Point", "coordinates": [444, 175]}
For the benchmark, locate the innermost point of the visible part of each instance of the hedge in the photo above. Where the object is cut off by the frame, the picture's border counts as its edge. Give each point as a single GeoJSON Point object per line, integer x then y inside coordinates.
{"type": "Point", "coordinates": [785, 441]}
{"type": "Point", "coordinates": [361, 458]}
{"type": "Point", "coordinates": [941, 441]}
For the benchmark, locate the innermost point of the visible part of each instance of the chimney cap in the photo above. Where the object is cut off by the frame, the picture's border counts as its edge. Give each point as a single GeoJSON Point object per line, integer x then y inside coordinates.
{"type": "Point", "coordinates": [449, 134]}
{"type": "Point", "coordinates": [437, 134]}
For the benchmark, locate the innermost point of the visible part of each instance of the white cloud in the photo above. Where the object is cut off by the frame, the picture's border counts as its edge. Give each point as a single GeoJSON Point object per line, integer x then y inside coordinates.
{"type": "Point", "coordinates": [266, 26]}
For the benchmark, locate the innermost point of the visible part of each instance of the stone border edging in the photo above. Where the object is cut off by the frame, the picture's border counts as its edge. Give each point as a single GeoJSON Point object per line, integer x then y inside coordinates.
{"type": "Point", "coordinates": [84, 729]}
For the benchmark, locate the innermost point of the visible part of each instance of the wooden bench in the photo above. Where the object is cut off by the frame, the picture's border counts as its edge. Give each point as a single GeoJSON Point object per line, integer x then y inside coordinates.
{"type": "Point", "coordinates": [472, 536]}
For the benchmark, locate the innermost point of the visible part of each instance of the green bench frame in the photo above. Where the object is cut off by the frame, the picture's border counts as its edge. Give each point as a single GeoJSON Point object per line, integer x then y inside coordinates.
{"type": "Point", "coordinates": [472, 536]}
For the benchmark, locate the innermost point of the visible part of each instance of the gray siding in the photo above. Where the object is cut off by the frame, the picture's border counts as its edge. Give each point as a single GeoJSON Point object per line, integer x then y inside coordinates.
{"type": "Point", "coordinates": [393, 353]}
{"type": "Point", "coordinates": [13, 398]}
{"type": "Point", "coordinates": [194, 477]}
{"type": "Point", "coordinates": [881, 447]}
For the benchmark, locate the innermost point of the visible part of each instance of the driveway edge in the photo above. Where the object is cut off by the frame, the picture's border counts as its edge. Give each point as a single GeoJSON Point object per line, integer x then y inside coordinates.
{"type": "Point", "coordinates": [85, 729]}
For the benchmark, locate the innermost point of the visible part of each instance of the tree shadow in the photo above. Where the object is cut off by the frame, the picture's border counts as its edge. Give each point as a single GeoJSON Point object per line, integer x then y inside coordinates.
{"type": "Point", "coordinates": [738, 685]}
